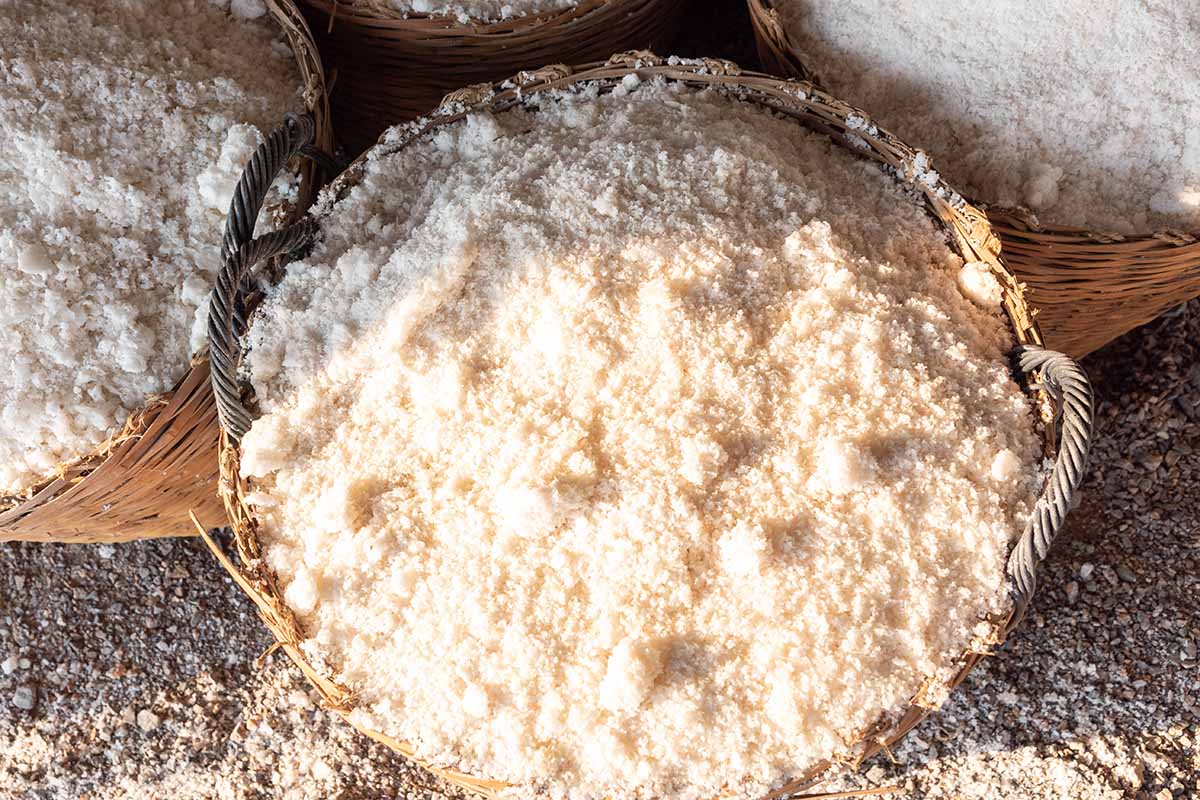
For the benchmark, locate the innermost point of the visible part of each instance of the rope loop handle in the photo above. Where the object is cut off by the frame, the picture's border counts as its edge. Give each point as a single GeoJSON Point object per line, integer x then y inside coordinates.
{"type": "Point", "coordinates": [241, 252]}
{"type": "Point", "coordinates": [1064, 380]}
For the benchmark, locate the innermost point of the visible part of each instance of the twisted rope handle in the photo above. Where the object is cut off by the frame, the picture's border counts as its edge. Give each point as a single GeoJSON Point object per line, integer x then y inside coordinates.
{"type": "Point", "coordinates": [241, 252]}
{"type": "Point", "coordinates": [1068, 386]}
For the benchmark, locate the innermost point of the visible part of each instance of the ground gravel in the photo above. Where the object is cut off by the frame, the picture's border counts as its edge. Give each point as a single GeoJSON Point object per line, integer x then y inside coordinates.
{"type": "Point", "coordinates": [129, 671]}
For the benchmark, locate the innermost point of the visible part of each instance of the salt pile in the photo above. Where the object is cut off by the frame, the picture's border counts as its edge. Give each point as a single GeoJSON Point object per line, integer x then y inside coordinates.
{"type": "Point", "coordinates": [125, 127]}
{"type": "Point", "coordinates": [1083, 110]}
{"type": "Point", "coordinates": [630, 455]}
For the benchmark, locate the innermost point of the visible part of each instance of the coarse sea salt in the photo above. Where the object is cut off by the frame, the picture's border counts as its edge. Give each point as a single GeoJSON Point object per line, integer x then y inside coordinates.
{"type": "Point", "coordinates": [125, 127]}
{"type": "Point", "coordinates": [1082, 110]}
{"type": "Point", "coordinates": [634, 445]}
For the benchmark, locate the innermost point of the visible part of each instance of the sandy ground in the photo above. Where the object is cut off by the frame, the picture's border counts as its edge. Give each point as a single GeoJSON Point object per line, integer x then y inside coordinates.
{"type": "Point", "coordinates": [130, 671]}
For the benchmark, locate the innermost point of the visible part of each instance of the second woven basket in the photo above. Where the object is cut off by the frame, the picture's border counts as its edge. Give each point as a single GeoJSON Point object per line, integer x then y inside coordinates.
{"type": "Point", "coordinates": [1089, 286]}
{"type": "Point", "coordinates": [388, 66]}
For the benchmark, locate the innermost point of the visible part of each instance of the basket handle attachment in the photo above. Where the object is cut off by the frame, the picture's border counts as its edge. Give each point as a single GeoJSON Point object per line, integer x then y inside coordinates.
{"type": "Point", "coordinates": [1067, 385]}
{"type": "Point", "coordinates": [241, 252]}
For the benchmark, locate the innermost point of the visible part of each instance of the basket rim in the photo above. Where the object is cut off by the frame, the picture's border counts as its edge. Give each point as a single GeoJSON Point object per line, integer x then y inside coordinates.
{"type": "Point", "coordinates": [966, 226]}
{"type": "Point", "coordinates": [1022, 221]}
{"type": "Point", "coordinates": [39, 496]}
{"type": "Point", "coordinates": [369, 15]}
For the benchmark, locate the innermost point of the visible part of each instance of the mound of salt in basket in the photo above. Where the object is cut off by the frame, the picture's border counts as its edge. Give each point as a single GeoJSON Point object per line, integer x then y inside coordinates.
{"type": "Point", "coordinates": [1084, 154]}
{"type": "Point", "coordinates": [126, 131]}
{"type": "Point", "coordinates": [396, 60]}
{"type": "Point", "coordinates": [618, 437]}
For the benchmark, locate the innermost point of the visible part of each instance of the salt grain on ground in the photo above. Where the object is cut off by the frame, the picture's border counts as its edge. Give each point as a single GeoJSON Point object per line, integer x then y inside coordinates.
{"type": "Point", "coordinates": [24, 698]}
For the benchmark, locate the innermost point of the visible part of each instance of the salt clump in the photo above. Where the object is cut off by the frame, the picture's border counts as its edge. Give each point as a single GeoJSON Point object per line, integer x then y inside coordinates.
{"type": "Point", "coordinates": [980, 285]}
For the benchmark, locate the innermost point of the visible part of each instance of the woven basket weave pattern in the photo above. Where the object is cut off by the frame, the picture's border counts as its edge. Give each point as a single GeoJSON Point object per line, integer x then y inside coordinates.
{"type": "Point", "coordinates": [390, 68]}
{"type": "Point", "coordinates": [1089, 287]}
{"type": "Point", "coordinates": [810, 106]}
{"type": "Point", "coordinates": [147, 479]}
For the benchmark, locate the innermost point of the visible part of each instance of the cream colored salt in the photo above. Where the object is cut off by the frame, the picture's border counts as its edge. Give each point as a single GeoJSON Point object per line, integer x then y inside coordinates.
{"type": "Point", "coordinates": [609, 452]}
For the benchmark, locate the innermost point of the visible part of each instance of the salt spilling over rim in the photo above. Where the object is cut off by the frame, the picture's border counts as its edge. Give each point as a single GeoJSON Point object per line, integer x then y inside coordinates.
{"type": "Point", "coordinates": [147, 477]}
{"type": "Point", "coordinates": [1061, 382]}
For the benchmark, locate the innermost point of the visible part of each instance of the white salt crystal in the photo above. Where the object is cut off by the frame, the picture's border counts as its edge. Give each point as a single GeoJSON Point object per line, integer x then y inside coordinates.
{"type": "Point", "coordinates": [301, 591]}
{"type": "Point", "coordinates": [1006, 466]}
{"type": "Point", "coordinates": [743, 550]}
{"type": "Point", "coordinates": [1042, 186]}
{"type": "Point", "coordinates": [147, 720]}
{"type": "Point", "coordinates": [475, 701]}
{"type": "Point", "coordinates": [34, 260]}
{"type": "Point", "coordinates": [247, 9]}
{"type": "Point", "coordinates": [629, 676]}
{"type": "Point", "coordinates": [24, 698]}
{"type": "Point", "coordinates": [842, 467]}
{"type": "Point", "coordinates": [979, 284]}
{"type": "Point", "coordinates": [702, 459]}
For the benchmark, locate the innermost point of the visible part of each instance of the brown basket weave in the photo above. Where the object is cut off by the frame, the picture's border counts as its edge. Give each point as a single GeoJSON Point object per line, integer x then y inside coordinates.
{"type": "Point", "coordinates": [388, 68]}
{"type": "Point", "coordinates": [162, 465]}
{"type": "Point", "coordinates": [1089, 287]}
{"type": "Point", "coordinates": [802, 102]}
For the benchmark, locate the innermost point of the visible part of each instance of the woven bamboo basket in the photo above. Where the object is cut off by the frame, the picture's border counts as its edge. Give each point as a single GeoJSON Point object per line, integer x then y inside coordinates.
{"type": "Point", "coordinates": [1089, 286]}
{"type": "Point", "coordinates": [162, 465]}
{"type": "Point", "coordinates": [1061, 389]}
{"type": "Point", "coordinates": [388, 68]}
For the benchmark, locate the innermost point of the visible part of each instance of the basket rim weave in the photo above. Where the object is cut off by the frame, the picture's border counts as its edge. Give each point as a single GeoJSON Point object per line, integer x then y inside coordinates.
{"type": "Point", "coordinates": [63, 505]}
{"type": "Point", "coordinates": [381, 15]}
{"type": "Point", "coordinates": [806, 104]}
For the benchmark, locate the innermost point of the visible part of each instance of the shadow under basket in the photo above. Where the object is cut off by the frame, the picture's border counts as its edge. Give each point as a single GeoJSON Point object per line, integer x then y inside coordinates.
{"type": "Point", "coordinates": [161, 467]}
{"type": "Point", "coordinates": [388, 67]}
{"type": "Point", "coordinates": [1061, 386]}
{"type": "Point", "coordinates": [1089, 286]}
